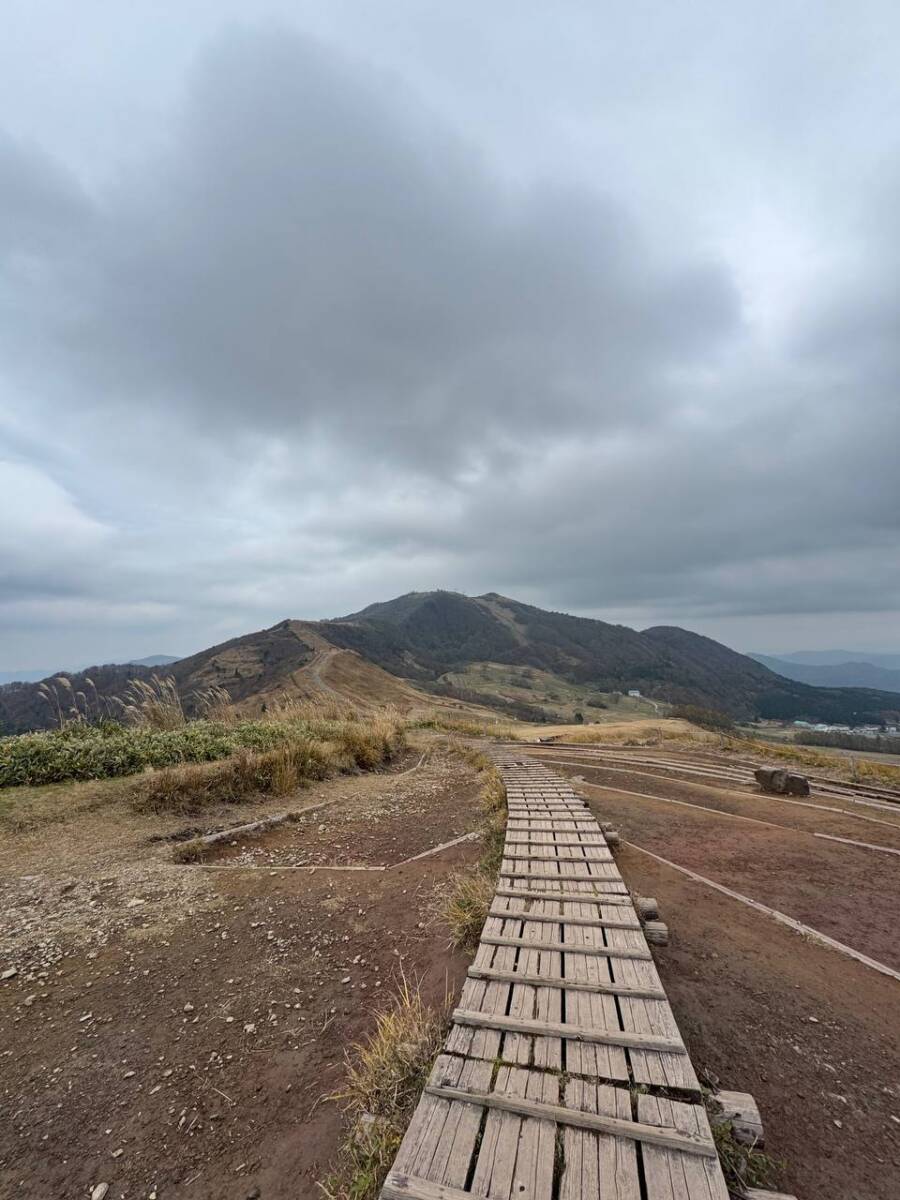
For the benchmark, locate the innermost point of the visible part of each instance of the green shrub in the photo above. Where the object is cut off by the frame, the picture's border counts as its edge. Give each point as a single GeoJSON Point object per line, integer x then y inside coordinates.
{"type": "Point", "coordinates": [101, 752]}
{"type": "Point", "coordinates": [706, 718]}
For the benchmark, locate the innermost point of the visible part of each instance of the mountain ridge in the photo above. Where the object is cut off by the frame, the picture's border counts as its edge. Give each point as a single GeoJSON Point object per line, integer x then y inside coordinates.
{"type": "Point", "coordinates": [855, 673]}
{"type": "Point", "coordinates": [411, 649]}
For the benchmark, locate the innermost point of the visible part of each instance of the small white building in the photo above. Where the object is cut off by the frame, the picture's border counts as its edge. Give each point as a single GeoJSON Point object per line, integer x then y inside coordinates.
{"type": "Point", "coordinates": [634, 693]}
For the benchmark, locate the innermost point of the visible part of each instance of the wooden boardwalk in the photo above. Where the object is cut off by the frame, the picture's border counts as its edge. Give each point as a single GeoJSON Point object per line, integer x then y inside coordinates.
{"type": "Point", "coordinates": [563, 1076]}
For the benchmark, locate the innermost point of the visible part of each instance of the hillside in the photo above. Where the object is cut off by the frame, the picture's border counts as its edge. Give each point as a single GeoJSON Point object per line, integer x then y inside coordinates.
{"type": "Point", "coordinates": [443, 649]}
{"type": "Point", "coordinates": [845, 674]}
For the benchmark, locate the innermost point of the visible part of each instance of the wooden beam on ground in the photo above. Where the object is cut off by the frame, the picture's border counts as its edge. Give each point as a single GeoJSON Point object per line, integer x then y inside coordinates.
{"type": "Point", "coordinates": [655, 1135]}
{"type": "Point", "coordinates": [571, 985]}
{"type": "Point", "coordinates": [573, 1033]}
{"type": "Point", "coordinates": [560, 919]}
{"type": "Point", "coordinates": [489, 939]}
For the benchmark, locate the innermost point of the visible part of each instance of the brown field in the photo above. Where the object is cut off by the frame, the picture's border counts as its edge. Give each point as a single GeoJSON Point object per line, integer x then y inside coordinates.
{"type": "Point", "coordinates": [180, 1030]}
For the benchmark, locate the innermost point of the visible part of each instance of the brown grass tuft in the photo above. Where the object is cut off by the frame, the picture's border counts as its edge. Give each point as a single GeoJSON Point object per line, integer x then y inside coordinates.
{"type": "Point", "coordinates": [468, 901]}
{"type": "Point", "coordinates": [385, 1077]}
{"type": "Point", "coordinates": [326, 749]}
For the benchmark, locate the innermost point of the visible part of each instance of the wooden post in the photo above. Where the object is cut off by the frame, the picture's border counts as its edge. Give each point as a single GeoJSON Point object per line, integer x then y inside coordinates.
{"type": "Point", "coordinates": [646, 908]}
{"type": "Point", "coordinates": [656, 933]}
{"type": "Point", "coordinates": [740, 1110]}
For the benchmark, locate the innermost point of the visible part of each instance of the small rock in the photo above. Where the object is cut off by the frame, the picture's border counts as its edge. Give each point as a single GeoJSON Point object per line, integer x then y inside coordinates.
{"type": "Point", "coordinates": [9, 973]}
{"type": "Point", "coordinates": [100, 1191]}
{"type": "Point", "coordinates": [118, 1153]}
{"type": "Point", "coordinates": [250, 1027]}
{"type": "Point", "coordinates": [188, 1007]}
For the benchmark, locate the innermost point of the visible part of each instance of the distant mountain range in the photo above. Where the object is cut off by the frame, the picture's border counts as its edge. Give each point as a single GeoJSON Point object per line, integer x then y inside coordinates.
{"type": "Point", "coordinates": [36, 676]}
{"type": "Point", "coordinates": [853, 672]}
{"type": "Point", "coordinates": [412, 651]}
{"type": "Point", "coordinates": [832, 658]}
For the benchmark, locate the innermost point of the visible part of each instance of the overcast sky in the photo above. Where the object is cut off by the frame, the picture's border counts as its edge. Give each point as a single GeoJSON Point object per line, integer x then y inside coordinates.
{"type": "Point", "coordinates": [305, 305]}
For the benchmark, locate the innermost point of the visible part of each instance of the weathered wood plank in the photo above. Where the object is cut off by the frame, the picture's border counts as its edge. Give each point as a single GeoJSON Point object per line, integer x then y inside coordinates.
{"type": "Point", "coordinates": [672, 1175]}
{"type": "Point", "coordinates": [666, 1137]}
{"type": "Point", "coordinates": [567, 947]}
{"type": "Point", "coordinates": [565, 918]}
{"type": "Point", "coordinates": [572, 1032]}
{"type": "Point", "coordinates": [584, 897]}
{"type": "Point", "coordinates": [570, 985]}
{"type": "Point", "coordinates": [598, 1166]}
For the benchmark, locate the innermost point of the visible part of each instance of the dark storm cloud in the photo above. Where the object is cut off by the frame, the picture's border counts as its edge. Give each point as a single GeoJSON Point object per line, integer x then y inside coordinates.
{"type": "Point", "coordinates": [315, 347]}
{"type": "Point", "coordinates": [316, 251]}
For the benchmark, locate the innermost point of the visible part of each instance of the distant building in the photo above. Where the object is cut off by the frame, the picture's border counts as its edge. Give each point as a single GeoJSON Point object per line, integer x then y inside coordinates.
{"type": "Point", "coordinates": [633, 692]}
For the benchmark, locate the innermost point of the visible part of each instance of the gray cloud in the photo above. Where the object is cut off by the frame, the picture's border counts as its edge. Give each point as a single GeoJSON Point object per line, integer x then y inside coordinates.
{"type": "Point", "coordinates": [321, 342]}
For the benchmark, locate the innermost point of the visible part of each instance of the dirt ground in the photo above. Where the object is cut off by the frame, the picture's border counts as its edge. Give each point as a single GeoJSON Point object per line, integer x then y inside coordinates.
{"type": "Point", "coordinates": [813, 1035]}
{"type": "Point", "coordinates": [179, 1031]}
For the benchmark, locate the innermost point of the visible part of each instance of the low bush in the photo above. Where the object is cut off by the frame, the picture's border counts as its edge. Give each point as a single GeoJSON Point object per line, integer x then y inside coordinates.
{"type": "Point", "coordinates": [706, 718]}
{"type": "Point", "coordinates": [191, 788]}
{"type": "Point", "coordinates": [109, 750]}
{"type": "Point", "coordinates": [301, 758]}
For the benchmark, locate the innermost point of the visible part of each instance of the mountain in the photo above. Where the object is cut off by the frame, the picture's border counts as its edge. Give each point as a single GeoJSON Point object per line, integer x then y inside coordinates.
{"type": "Point", "coordinates": [425, 635]}
{"type": "Point", "coordinates": [38, 676]}
{"type": "Point", "coordinates": [836, 658]}
{"type": "Point", "coordinates": [857, 674]}
{"type": "Point", "coordinates": [34, 676]}
{"type": "Point", "coordinates": [440, 649]}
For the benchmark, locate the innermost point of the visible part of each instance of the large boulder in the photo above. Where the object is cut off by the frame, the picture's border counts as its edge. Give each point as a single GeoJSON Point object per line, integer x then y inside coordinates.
{"type": "Point", "coordinates": [781, 782]}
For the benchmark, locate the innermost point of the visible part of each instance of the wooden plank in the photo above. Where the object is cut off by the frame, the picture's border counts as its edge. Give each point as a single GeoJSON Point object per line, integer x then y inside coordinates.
{"type": "Point", "coordinates": [441, 1137]}
{"type": "Point", "coordinates": [668, 1173]}
{"type": "Point", "coordinates": [575, 1033]}
{"type": "Point", "coordinates": [665, 1137]}
{"type": "Point", "coordinates": [584, 897]}
{"type": "Point", "coordinates": [570, 985]}
{"type": "Point", "coordinates": [609, 881]}
{"type": "Point", "coordinates": [597, 1166]}
{"type": "Point", "coordinates": [533, 841]}
{"type": "Point", "coordinates": [564, 919]}
{"type": "Point", "coordinates": [526, 1001]}
{"type": "Point", "coordinates": [559, 858]}
{"type": "Point", "coordinates": [516, 1157]}
{"type": "Point", "coordinates": [567, 947]}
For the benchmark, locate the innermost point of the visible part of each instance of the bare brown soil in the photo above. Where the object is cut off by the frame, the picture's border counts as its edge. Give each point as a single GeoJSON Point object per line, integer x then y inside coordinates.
{"type": "Point", "coordinates": [813, 1035]}
{"type": "Point", "coordinates": [180, 1031]}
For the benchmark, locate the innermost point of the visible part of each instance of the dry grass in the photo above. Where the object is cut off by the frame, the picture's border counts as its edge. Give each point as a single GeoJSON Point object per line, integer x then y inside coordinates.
{"type": "Point", "coordinates": [215, 704]}
{"type": "Point", "coordinates": [744, 1167]}
{"type": "Point", "coordinates": [469, 727]}
{"type": "Point", "coordinates": [154, 703]}
{"type": "Point", "coordinates": [466, 908]}
{"type": "Point", "coordinates": [385, 1077]}
{"type": "Point", "coordinates": [857, 770]}
{"type": "Point", "coordinates": [466, 905]}
{"type": "Point", "coordinates": [324, 748]}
